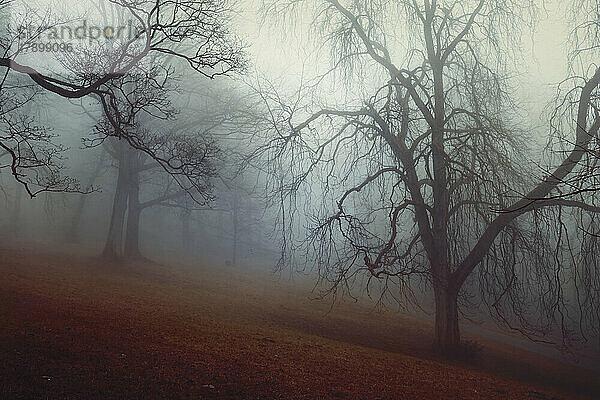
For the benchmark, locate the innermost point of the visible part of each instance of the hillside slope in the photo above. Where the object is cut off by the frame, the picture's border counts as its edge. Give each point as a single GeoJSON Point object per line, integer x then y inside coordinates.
{"type": "Point", "coordinates": [74, 328]}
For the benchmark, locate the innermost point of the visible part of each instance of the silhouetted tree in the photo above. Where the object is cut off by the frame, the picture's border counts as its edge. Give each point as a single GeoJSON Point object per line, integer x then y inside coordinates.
{"type": "Point", "coordinates": [193, 32]}
{"type": "Point", "coordinates": [421, 174]}
{"type": "Point", "coordinates": [182, 161]}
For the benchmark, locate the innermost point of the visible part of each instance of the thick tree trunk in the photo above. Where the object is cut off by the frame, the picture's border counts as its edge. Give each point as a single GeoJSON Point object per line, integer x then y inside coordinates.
{"type": "Point", "coordinates": [113, 247]}
{"type": "Point", "coordinates": [236, 229]}
{"type": "Point", "coordinates": [132, 236]}
{"type": "Point", "coordinates": [73, 234]}
{"type": "Point", "coordinates": [186, 233]}
{"type": "Point", "coordinates": [14, 224]}
{"type": "Point", "coordinates": [447, 335]}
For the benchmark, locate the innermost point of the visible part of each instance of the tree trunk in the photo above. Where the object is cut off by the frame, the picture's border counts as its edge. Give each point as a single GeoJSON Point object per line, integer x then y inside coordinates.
{"type": "Point", "coordinates": [186, 233]}
{"type": "Point", "coordinates": [73, 234]}
{"type": "Point", "coordinates": [14, 224]}
{"type": "Point", "coordinates": [236, 228]}
{"type": "Point", "coordinates": [447, 335]}
{"type": "Point", "coordinates": [132, 236]}
{"type": "Point", "coordinates": [113, 246]}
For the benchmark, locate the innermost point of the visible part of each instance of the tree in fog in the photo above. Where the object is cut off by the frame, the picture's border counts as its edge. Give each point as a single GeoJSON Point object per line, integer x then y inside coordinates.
{"type": "Point", "coordinates": [179, 163]}
{"type": "Point", "coordinates": [241, 203]}
{"type": "Point", "coordinates": [27, 149]}
{"type": "Point", "coordinates": [73, 232]}
{"type": "Point", "coordinates": [190, 32]}
{"type": "Point", "coordinates": [421, 173]}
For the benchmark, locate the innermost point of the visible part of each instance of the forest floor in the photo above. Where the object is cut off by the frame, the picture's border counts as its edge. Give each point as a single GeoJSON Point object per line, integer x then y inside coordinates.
{"type": "Point", "coordinates": [72, 327]}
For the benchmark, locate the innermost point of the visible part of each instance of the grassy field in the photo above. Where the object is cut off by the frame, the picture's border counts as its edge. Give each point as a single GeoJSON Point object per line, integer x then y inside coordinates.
{"type": "Point", "coordinates": [75, 328]}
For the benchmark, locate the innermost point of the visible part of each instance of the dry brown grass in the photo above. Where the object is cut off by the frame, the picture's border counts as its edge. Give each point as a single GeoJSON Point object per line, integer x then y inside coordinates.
{"type": "Point", "coordinates": [76, 328]}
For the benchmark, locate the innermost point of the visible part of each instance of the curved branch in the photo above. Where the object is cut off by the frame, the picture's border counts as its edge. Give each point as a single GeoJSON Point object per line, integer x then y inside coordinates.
{"type": "Point", "coordinates": [535, 197]}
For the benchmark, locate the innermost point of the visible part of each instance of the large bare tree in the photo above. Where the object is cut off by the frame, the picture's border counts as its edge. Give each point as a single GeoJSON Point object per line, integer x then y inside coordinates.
{"type": "Point", "coordinates": [421, 171]}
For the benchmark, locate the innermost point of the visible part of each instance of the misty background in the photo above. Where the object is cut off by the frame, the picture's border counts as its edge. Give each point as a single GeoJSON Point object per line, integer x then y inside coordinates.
{"type": "Point", "coordinates": [233, 219]}
{"type": "Point", "coordinates": [287, 56]}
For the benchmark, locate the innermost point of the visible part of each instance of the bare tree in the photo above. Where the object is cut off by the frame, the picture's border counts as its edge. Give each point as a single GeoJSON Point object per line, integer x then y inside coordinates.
{"type": "Point", "coordinates": [73, 232]}
{"type": "Point", "coordinates": [193, 32]}
{"type": "Point", "coordinates": [422, 177]}
{"type": "Point", "coordinates": [27, 149]}
{"type": "Point", "coordinates": [183, 162]}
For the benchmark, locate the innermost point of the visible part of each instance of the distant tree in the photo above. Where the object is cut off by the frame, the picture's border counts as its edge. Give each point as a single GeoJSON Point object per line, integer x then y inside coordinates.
{"type": "Point", "coordinates": [420, 176]}
{"type": "Point", "coordinates": [14, 226]}
{"type": "Point", "coordinates": [242, 203]}
{"type": "Point", "coordinates": [73, 233]}
{"type": "Point", "coordinates": [182, 162]}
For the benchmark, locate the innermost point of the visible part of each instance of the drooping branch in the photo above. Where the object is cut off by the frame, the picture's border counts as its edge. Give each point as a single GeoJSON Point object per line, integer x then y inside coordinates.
{"type": "Point", "coordinates": [62, 88]}
{"type": "Point", "coordinates": [584, 136]}
{"type": "Point", "coordinates": [162, 199]}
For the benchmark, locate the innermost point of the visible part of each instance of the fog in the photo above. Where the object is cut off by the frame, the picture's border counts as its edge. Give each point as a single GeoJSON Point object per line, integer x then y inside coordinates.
{"type": "Point", "coordinates": [435, 160]}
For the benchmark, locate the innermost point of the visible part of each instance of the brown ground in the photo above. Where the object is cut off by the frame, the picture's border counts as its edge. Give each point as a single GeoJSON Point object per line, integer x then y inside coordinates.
{"type": "Point", "coordinates": [74, 328]}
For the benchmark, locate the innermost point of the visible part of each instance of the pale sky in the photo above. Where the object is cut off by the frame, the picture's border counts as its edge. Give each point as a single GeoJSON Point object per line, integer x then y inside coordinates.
{"type": "Point", "coordinates": [284, 54]}
{"type": "Point", "coordinates": [276, 52]}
